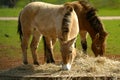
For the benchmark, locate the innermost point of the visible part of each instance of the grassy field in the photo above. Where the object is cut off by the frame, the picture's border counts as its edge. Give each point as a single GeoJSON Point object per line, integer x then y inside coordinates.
{"type": "Point", "coordinates": [113, 28]}
{"type": "Point", "coordinates": [9, 39]}
{"type": "Point", "coordinates": [109, 12]}
{"type": "Point", "coordinates": [10, 43]}
{"type": "Point", "coordinates": [6, 12]}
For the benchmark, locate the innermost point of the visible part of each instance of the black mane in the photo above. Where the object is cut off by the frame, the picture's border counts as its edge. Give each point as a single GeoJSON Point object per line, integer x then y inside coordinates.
{"type": "Point", "coordinates": [92, 17]}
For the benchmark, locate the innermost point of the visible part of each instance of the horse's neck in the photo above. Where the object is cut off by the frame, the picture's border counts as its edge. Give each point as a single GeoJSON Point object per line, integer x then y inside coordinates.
{"type": "Point", "coordinates": [84, 25]}
{"type": "Point", "coordinates": [91, 32]}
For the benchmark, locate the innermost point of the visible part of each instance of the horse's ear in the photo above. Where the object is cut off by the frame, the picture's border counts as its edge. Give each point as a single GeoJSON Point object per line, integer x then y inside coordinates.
{"type": "Point", "coordinates": [69, 8]}
{"type": "Point", "coordinates": [106, 34]}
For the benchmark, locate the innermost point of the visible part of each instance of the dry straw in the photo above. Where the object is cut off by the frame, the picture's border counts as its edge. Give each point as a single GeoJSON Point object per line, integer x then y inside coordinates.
{"type": "Point", "coordinates": [82, 66]}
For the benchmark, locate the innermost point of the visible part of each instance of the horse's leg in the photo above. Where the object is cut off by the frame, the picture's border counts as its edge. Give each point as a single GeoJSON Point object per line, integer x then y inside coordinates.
{"type": "Point", "coordinates": [24, 46]}
{"type": "Point", "coordinates": [48, 49]}
{"type": "Point", "coordinates": [34, 45]}
{"type": "Point", "coordinates": [83, 36]}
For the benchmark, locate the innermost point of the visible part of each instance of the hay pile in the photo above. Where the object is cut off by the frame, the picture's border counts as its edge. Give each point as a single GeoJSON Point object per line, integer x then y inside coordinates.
{"type": "Point", "coordinates": [82, 66]}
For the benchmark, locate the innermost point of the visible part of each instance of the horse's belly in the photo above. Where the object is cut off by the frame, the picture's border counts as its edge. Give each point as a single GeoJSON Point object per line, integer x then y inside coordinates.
{"type": "Point", "coordinates": [49, 32]}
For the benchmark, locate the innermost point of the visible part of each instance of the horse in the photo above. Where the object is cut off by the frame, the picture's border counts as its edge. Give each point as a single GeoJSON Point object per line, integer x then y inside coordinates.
{"type": "Point", "coordinates": [39, 19]}
{"type": "Point", "coordinates": [90, 23]}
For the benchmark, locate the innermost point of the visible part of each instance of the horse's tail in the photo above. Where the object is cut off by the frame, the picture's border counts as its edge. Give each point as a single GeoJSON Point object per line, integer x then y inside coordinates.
{"type": "Point", "coordinates": [92, 17]}
{"type": "Point", "coordinates": [19, 31]}
{"type": "Point", "coordinates": [66, 22]}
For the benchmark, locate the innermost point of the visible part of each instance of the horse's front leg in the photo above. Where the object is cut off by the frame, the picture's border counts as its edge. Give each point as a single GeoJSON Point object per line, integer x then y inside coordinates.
{"type": "Point", "coordinates": [34, 46]}
{"type": "Point", "coordinates": [83, 36]}
{"type": "Point", "coordinates": [48, 49]}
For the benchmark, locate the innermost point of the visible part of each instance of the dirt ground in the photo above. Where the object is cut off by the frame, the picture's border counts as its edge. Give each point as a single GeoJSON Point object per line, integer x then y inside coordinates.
{"type": "Point", "coordinates": [7, 62]}
{"type": "Point", "coordinates": [11, 67]}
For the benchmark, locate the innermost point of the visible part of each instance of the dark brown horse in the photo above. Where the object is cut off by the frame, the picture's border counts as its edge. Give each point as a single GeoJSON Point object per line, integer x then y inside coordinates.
{"type": "Point", "coordinates": [90, 23]}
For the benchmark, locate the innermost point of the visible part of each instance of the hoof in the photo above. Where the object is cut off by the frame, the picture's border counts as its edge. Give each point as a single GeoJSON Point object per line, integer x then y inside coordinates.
{"type": "Point", "coordinates": [50, 61]}
{"type": "Point", "coordinates": [66, 66]}
{"type": "Point", "coordinates": [36, 63]}
{"type": "Point", "coordinates": [25, 63]}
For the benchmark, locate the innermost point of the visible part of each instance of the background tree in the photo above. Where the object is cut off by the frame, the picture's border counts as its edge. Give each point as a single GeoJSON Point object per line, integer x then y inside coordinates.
{"type": "Point", "coordinates": [8, 3]}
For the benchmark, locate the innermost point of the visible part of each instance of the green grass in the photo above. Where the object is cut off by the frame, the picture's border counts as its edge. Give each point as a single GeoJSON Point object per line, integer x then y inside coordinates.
{"type": "Point", "coordinates": [9, 39]}
{"type": "Point", "coordinates": [6, 12]}
{"type": "Point", "coordinates": [113, 28]}
{"type": "Point", "coordinates": [109, 12]}
{"type": "Point", "coordinates": [8, 28]}
{"type": "Point", "coordinates": [10, 44]}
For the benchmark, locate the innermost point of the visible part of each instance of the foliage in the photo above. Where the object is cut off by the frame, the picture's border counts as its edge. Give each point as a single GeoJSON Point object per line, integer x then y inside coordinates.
{"type": "Point", "coordinates": [8, 3]}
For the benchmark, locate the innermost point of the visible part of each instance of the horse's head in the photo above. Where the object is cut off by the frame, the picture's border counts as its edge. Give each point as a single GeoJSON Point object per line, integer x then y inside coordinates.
{"type": "Point", "coordinates": [70, 30]}
{"type": "Point", "coordinates": [98, 44]}
{"type": "Point", "coordinates": [68, 53]}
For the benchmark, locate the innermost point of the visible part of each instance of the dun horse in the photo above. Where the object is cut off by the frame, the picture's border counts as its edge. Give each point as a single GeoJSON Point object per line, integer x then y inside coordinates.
{"type": "Point", "coordinates": [51, 21]}
{"type": "Point", "coordinates": [88, 23]}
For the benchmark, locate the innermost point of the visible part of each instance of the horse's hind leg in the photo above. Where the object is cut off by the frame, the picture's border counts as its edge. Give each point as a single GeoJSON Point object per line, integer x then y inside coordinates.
{"type": "Point", "coordinates": [24, 46]}
{"type": "Point", "coordinates": [48, 49]}
{"type": "Point", "coordinates": [34, 45]}
{"type": "Point", "coordinates": [83, 36]}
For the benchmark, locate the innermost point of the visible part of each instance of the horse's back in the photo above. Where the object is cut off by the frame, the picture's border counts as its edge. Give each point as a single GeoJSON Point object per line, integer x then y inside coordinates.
{"type": "Point", "coordinates": [41, 14]}
{"type": "Point", "coordinates": [36, 8]}
{"type": "Point", "coordinates": [47, 18]}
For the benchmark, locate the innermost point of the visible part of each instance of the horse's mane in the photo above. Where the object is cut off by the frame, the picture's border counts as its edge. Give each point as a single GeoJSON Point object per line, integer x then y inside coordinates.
{"type": "Point", "coordinates": [66, 21]}
{"type": "Point", "coordinates": [92, 17]}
